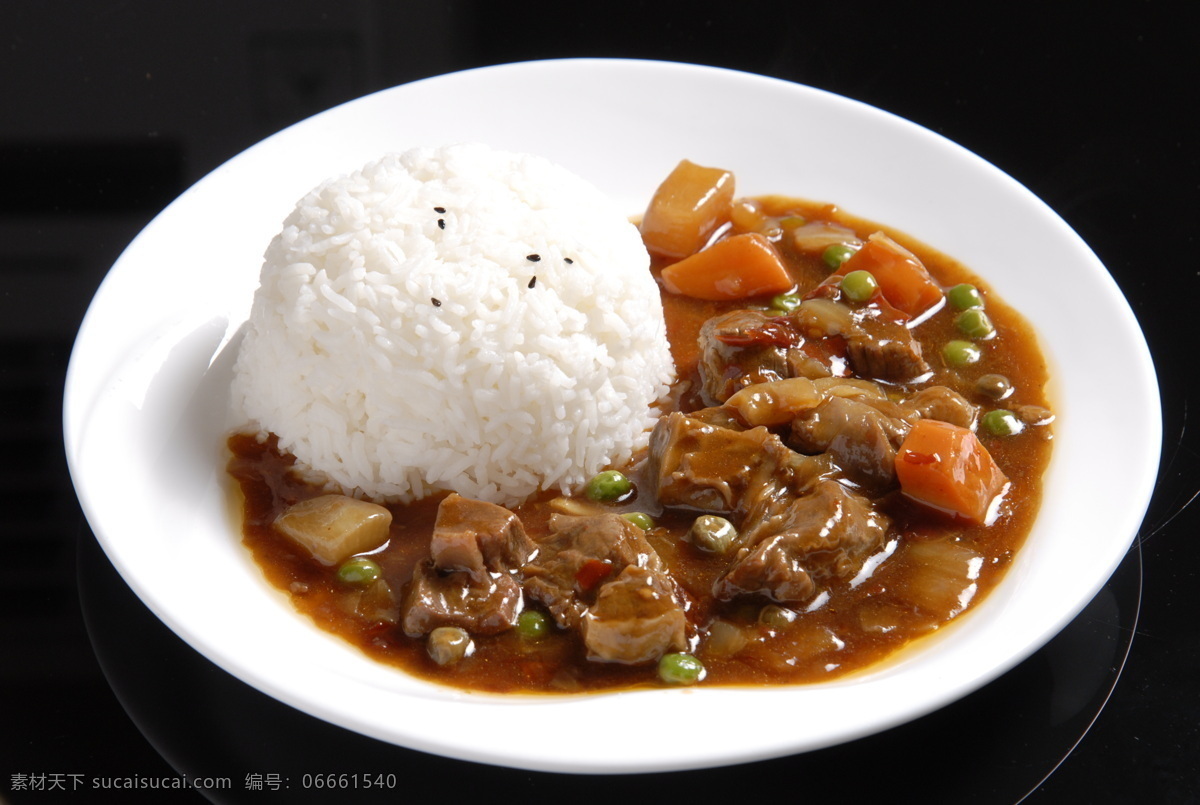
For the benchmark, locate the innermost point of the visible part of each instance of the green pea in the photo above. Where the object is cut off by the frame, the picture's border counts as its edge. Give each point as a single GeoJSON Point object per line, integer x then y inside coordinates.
{"type": "Point", "coordinates": [995, 386]}
{"type": "Point", "coordinates": [859, 286]}
{"type": "Point", "coordinates": [608, 485]}
{"type": "Point", "coordinates": [449, 644]}
{"type": "Point", "coordinates": [710, 532]}
{"type": "Point", "coordinates": [640, 519]}
{"type": "Point", "coordinates": [680, 669]}
{"type": "Point", "coordinates": [965, 296]}
{"type": "Point", "coordinates": [787, 302]}
{"type": "Point", "coordinates": [775, 615]}
{"type": "Point", "coordinates": [359, 570]}
{"type": "Point", "coordinates": [961, 353]}
{"type": "Point", "coordinates": [1034, 415]}
{"type": "Point", "coordinates": [1001, 422]}
{"type": "Point", "coordinates": [533, 624]}
{"type": "Point", "coordinates": [974, 323]}
{"type": "Point", "coordinates": [836, 254]}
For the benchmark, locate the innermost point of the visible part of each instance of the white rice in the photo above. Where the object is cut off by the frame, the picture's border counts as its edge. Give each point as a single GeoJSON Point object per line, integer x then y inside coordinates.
{"type": "Point", "coordinates": [500, 390]}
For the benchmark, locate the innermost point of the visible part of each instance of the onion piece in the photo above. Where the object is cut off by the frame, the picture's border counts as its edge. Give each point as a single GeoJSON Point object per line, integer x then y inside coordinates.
{"type": "Point", "coordinates": [776, 402]}
{"type": "Point", "coordinates": [943, 579]}
{"type": "Point", "coordinates": [817, 236]}
{"type": "Point", "coordinates": [819, 317]}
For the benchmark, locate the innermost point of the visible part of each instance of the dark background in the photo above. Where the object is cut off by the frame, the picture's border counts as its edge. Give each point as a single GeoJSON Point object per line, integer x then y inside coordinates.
{"type": "Point", "coordinates": [110, 110]}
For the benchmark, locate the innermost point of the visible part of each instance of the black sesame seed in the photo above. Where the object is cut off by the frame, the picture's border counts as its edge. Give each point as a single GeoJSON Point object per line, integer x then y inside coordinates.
{"type": "Point", "coordinates": [439, 210]}
{"type": "Point", "coordinates": [533, 258]}
{"type": "Point", "coordinates": [436, 302]}
{"type": "Point", "coordinates": [533, 281]}
{"type": "Point", "coordinates": [568, 261]}
{"type": "Point", "coordinates": [441, 223]}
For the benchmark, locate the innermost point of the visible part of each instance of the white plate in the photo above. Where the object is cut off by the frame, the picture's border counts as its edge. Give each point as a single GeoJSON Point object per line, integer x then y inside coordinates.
{"type": "Point", "coordinates": [146, 399]}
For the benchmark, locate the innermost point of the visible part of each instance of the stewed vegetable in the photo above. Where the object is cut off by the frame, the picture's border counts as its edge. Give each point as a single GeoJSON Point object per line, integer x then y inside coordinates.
{"type": "Point", "coordinates": [974, 323]}
{"type": "Point", "coordinates": [859, 286]}
{"type": "Point", "coordinates": [640, 519]}
{"type": "Point", "coordinates": [333, 527]}
{"type": "Point", "coordinates": [686, 209]}
{"type": "Point", "coordinates": [712, 533]}
{"type": "Point", "coordinates": [608, 485]}
{"type": "Point", "coordinates": [359, 570]}
{"type": "Point", "coordinates": [680, 669]}
{"type": "Point", "coordinates": [945, 467]}
{"type": "Point", "coordinates": [449, 644]}
{"type": "Point", "coordinates": [965, 296]}
{"type": "Point", "coordinates": [533, 624]}
{"type": "Point", "coordinates": [1001, 422]}
{"type": "Point", "coordinates": [960, 353]}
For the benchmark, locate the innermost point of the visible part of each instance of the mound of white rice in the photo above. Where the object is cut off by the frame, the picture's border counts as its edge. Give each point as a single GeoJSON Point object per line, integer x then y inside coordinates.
{"type": "Point", "coordinates": [458, 319]}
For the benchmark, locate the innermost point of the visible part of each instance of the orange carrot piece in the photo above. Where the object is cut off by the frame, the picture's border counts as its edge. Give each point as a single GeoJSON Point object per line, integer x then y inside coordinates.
{"type": "Point", "coordinates": [737, 267]}
{"type": "Point", "coordinates": [903, 279]}
{"type": "Point", "coordinates": [946, 467]}
{"type": "Point", "coordinates": [686, 209]}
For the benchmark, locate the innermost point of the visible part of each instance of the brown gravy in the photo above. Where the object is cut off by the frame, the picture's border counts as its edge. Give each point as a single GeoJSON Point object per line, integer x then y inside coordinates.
{"type": "Point", "coordinates": [934, 567]}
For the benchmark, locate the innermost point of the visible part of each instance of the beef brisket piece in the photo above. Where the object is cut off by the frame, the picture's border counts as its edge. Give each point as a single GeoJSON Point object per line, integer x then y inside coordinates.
{"type": "Point", "coordinates": [478, 537]}
{"type": "Point", "coordinates": [788, 549]}
{"type": "Point", "coordinates": [457, 599]}
{"type": "Point", "coordinates": [885, 350]}
{"type": "Point", "coordinates": [468, 582]}
{"type": "Point", "coordinates": [860, 434]}
{"type": "Point", "coordinates": [741, 348]}
{"type": "Point", "coordinates": [599, 574]}
{"type": "Point", "coordinates": [636, 618]}
{"type": "Point", "coordinates": [702, 466]}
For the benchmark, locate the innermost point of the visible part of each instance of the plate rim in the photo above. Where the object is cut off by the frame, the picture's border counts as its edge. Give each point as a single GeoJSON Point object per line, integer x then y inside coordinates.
{"type": "Point", "coordinates": [74, 420]}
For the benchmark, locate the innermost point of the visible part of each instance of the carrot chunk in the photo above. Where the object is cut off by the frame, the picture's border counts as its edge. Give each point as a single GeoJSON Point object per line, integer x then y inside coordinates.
{"type": "Point", "coordinates": [903, 279]}
{"type": "Point", "coordinates": [686, 209]}
{"type": "Point", "coordinates": [734, 268]}
{"type": "Point", "coordinates": [946, 467]}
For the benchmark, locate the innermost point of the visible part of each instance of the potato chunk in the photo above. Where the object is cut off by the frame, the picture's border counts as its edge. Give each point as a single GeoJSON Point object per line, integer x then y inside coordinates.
{"type": "Point", "coordinates": [334, 527]}
{"type": "Point", "coordinates": [686, 209]}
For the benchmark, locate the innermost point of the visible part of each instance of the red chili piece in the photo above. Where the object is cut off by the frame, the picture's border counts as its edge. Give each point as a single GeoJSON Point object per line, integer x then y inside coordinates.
{"type": "Point", "coordinates": [592, 573]}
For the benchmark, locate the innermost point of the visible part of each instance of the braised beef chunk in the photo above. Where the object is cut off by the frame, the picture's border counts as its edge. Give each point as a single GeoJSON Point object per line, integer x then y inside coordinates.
{"type": "Point", "coordinates": [744, 347]}
{"type": "Point", "coordinates": [857, 434]}
{"type": "Point", "coordinates": [478, 537]}
{"type": "Point", "coordinates": [741, 348]}
{"type": "Point", "coordinates": [636, 618]}
{"type": "Point", "coordinates": [468, 581]}
{"type": "Point", "coordinates": [944, 404]}
{"type": "Point", "coordinates": [577, 556]}
{"type": "Point", "coordinates": [885, 350]}
{"type": "Point", "coordinates": [598, 573]}
{"type": "Point", "coordinates": [692, 463]}
{"type": "Point", "coordinates": [789, 549]}
{"type": "Point", "coordinates": [457, 599]}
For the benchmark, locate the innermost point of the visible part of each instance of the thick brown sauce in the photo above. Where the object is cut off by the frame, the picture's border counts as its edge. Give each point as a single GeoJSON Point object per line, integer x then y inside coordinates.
{"type": "Point", "coordinates": [857, 626]}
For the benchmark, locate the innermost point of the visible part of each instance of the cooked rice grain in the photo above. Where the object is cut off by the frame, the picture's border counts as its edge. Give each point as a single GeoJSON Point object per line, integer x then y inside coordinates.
{"type": "Point", "coordinates": [400, 345]}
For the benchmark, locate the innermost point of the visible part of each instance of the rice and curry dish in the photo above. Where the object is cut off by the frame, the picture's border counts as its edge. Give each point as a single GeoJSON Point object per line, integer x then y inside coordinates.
{"type": "Point", "coordinates": [502, 437]}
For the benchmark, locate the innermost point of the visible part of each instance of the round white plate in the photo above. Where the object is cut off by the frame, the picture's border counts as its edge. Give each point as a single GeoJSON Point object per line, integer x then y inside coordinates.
{"type": "Point", "coordinates": [146, 399]}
